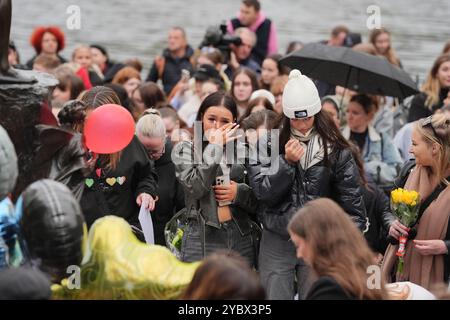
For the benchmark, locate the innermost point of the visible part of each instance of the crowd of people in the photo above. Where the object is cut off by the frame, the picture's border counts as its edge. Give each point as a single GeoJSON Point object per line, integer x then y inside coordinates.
{"type": "Point", "coordinates": [308, 230]}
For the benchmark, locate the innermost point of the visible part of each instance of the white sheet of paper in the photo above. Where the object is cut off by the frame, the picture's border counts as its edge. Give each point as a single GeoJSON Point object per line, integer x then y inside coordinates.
{"type": "Point", "coordinates": [145, 219]}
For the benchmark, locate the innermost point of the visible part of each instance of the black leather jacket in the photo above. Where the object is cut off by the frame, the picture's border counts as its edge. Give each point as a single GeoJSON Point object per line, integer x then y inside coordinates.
{"type": "Point", "coordinates": [290, 187]}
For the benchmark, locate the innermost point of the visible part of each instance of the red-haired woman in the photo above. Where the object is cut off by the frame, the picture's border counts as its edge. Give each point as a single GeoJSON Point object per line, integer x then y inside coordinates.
{"type": "Point", "coordinates": [47, 40]}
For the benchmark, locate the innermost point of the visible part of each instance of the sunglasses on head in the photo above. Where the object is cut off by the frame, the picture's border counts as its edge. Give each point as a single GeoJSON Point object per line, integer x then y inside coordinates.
{"type": "Point", "coordinates": [428, 122]}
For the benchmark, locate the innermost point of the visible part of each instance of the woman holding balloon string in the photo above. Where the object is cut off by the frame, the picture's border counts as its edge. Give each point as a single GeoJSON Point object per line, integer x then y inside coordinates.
{"type": "Point", "coordinates": [121, 178]}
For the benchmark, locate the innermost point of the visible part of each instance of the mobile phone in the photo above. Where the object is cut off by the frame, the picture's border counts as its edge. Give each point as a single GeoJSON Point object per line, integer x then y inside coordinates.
{"type": "Point", "coordinates": [185, 75]}
{"type": "Point", "coordinates": [223, 181]}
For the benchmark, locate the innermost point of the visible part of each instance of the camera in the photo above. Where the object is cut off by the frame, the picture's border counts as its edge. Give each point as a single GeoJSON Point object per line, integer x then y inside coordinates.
{"type": "Point", "coordinates": [217, 37]}
{"type": "Point", "coordinates": [352, 39]}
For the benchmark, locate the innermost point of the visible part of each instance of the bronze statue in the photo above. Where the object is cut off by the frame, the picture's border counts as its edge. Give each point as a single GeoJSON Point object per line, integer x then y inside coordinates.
{"type": "Point", "coordinates": [43, 150]}
{"type": "Point", "coordinates": [7, 74]}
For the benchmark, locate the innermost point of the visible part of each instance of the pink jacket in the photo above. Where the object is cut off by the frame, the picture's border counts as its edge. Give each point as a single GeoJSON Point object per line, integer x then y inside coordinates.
{"type": "Point", "coordinates": [273, 41]}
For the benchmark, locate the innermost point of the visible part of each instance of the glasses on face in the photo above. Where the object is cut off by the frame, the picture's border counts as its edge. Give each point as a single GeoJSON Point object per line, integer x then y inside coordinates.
{"type": "Point", "coordinates": [156, 153]}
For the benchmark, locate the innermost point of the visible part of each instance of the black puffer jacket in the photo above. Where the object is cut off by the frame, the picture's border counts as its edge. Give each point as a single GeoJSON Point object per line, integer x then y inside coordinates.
{"type": "Point", "coordinates": [379, 216]}
{"type": "Point", "coordinates": [290, 187]}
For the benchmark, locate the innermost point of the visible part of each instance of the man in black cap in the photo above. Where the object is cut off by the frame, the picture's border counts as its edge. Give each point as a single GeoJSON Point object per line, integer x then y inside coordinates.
{"type": "Point", "coordinates": [205, 72]}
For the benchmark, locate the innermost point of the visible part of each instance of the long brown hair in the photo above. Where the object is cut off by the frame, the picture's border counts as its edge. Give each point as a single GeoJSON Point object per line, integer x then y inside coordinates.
{"type": "Point", "coordinates": [390, 54]}
{"type": "Point", "coordinates": [337, 248]}
{"type": "Point", "coordinates": [282, 70]}
{"type": "Point", "coordinates": [327, 130]}
{"type": "Point", "coordinates": [250, 74]}
{"type": "Point", "coordinates": [224, 275]}
{"type": "Point", "coordinates": [94, 98]}
{"type": "Point", "coordinates": [432, 87]}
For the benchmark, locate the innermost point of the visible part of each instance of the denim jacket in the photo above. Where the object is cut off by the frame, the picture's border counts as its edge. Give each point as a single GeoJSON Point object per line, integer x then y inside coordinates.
{"type": "Point", "coordinates": [379, 152]}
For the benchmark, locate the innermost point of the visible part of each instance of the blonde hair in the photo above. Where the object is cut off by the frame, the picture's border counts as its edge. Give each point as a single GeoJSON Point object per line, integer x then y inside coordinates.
{"type": "Point", "coordinates": [338, 249]}
{"type": "Point", "coordinates": [432, 87]}
{"type": "Point", "coordinates": [151, 125]}
{"type": "Point", "coordinates": [437, 131]}
{"type": "Point", "coordinates": [79, 47]}
{"type": "Point", "coordinates": [398, 291]}
{"type": "Point", "coordinates": [390, 54]}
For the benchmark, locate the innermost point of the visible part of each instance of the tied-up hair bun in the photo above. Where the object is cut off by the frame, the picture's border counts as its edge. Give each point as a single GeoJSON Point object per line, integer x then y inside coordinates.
{"type": "Point", "coordinates": [151, 111]}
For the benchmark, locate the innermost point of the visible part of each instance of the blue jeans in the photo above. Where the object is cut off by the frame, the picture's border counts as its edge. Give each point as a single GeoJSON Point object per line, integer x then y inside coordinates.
{"type": "Point", "coordinates": [282, 273]}
{"type": "Point", "coordinates": [228, 237]}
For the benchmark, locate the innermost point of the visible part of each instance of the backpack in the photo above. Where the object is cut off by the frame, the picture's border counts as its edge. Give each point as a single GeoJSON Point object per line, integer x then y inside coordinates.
{"type": "Point", "coordinates": [160, 63]}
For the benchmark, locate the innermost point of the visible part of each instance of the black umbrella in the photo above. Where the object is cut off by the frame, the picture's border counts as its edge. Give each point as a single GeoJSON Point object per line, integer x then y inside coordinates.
{"type": "Point", "coordinates": [351, 69]}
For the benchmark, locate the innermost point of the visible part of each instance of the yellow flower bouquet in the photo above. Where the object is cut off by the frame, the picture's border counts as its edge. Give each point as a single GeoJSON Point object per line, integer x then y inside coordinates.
{"type": "Point", "coordinates": [405, 206]}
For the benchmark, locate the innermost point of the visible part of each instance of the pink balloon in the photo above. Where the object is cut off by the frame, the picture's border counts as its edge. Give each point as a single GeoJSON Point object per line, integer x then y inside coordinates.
{"type": "Point", "coordinates": [108, 129]}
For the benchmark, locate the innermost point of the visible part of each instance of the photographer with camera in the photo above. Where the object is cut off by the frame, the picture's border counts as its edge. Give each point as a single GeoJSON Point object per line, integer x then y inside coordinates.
{"type": "Point", "coordinates": [240, 55]}
{"type": "Point", "coordinates": [236, 49]}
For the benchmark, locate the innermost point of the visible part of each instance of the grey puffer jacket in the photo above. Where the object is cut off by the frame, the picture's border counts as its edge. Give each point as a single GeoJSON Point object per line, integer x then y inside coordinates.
{"type": "Point", "coordinates": [288, 189]}
{"type": "Point", "coordinates": [198, 180]}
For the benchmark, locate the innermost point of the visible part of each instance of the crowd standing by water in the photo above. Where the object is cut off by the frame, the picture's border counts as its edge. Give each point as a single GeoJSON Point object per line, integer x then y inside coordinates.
{"type": "Point", "coordinates": [280, 184]}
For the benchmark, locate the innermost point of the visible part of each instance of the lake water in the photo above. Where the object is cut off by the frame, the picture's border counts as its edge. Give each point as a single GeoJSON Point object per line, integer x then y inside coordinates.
{"type": "Point", "coordinates": [138, 28]}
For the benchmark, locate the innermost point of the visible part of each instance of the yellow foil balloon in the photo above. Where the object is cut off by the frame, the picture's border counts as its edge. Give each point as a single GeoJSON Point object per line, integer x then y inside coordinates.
{"type": "Point", "coordinates": [116, 265]}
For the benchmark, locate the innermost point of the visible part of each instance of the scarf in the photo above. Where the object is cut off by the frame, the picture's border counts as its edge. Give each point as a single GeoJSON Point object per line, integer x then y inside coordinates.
{"type": "Point", "coordinates": [424, 270]}
{"type": "Point", "coordinates": [312, 144]}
